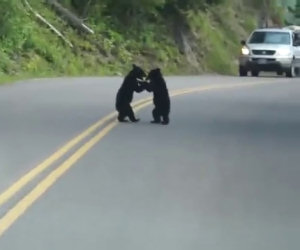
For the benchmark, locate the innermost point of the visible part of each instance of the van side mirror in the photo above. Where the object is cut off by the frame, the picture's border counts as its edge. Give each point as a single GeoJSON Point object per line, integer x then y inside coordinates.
{"type": "Point", "coordinates": [243, 42]}
{"type": "Point", "coordinates": [296, 43]}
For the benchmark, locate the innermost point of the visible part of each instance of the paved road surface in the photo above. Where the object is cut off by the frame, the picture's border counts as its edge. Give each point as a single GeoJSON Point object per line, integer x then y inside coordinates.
{"type": "Point", "coordinates": [224, 175]}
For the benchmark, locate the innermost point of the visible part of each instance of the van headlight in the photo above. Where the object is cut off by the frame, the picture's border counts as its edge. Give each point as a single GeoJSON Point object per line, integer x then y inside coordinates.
{"type": "Point", "coordinates": [245, 51]}
{"type": "Point", "coordinates": [284, 52]}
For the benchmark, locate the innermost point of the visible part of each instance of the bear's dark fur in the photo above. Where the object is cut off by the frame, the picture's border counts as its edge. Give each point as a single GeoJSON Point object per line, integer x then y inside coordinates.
{"type": "Point", "coordinates": [161, 99]}
{"type": "Point", "coordinates": [125, 93]}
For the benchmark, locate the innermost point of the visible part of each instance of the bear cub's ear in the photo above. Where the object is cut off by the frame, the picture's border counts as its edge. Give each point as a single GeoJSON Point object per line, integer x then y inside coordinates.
{"type": "Point", "coordinates": [157, 71]}
{"type": "Point", "coordinates": [134, 66]}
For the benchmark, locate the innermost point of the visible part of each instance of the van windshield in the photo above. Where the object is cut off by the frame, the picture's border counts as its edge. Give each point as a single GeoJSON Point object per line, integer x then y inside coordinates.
{"type": "Point", "coordinates": [270, 37]}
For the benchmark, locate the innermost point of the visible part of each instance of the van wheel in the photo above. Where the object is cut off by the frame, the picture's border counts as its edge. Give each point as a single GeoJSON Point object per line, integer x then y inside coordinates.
{"type": "Point", "coordinates": [291, 72]}
{"type": "Point", "coordinates": [255, 73]}
{"type": "Point", "coordinates": [243, 71]}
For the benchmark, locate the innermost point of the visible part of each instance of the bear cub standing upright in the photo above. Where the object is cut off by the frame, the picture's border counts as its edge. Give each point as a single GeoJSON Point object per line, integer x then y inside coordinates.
{"type": "Point", "coordinates": [125, 93]}
{"type": "Point", "coordinates": [161, 99]}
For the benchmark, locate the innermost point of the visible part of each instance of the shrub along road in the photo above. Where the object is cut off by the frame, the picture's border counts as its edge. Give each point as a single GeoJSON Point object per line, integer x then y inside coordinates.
{"type": "Point", "coordinates": [223, 175]}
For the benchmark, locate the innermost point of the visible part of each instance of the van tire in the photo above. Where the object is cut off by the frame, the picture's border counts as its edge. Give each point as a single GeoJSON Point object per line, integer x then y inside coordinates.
{"type": "Point", "coordinates": [255, 73]}
{"type": "Point", "coordinates": [291, 72]}
{"type": "Point", "coordinates": [243, 71]}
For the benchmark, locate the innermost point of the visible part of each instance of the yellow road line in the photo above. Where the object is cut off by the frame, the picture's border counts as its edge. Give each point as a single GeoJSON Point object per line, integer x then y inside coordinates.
{"type": "Point", "coordinates": [18, 185]}
{"type": "Point", "coordinates": [24, 180]}
{"type": "Point", "coordinates": [46, 183]}
{"type": "Point", "coordinates": [217, 86]}
{"type": "Point", "coordinates": [24, 204]}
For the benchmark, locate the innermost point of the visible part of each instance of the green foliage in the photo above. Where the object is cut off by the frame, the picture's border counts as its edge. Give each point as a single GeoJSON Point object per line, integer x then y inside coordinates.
{"type": "Point", "coordinates": [13, 30]}
{"type": "Point", "coordinates": [140, 31]}
{"type": "Point", "coordinates": [296, 10]}
{"type": "Point", "coordinates": [220, 53]}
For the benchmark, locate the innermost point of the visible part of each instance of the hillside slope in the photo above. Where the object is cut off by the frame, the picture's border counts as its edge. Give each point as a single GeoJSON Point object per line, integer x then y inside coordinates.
{"type": "Point", "coordinates": [187, 40]}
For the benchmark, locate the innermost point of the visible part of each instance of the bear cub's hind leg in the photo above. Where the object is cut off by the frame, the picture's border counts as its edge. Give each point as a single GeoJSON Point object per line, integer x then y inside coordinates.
{"type": "Point", "coordinates": [156, 116]}
{"type": "Point", "coordinates": [166, 120]}
{"type": "Point", "coordinates": [131, 115]}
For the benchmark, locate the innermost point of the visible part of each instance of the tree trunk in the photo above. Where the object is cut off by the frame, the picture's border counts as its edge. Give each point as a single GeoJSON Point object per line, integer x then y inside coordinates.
{"type": "Point", "coordinates": [70, 18]}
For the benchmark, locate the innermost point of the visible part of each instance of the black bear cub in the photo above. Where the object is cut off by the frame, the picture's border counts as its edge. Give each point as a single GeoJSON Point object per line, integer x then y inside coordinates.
{"type": "Point", "coordinates": [161, 99]}
{"type": "Point", "coordinates": [125, 93]}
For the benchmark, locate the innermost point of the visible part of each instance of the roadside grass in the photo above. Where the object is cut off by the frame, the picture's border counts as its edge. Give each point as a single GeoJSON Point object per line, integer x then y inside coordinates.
{"type": "Point", "coordinates": [30, 50]}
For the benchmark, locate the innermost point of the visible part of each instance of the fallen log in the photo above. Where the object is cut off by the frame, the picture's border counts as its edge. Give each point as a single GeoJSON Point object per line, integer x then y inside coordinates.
{"type": "Point", "coordinates": [69, 17]}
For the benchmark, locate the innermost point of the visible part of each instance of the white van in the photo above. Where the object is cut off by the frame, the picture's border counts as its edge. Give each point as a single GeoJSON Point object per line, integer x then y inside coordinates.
{"type": "Point", "coordinates": [276, 50]}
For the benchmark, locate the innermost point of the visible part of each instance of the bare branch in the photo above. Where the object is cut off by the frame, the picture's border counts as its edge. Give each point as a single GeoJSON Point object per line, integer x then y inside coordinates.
{"type": "Point", "coordinates": [43, 20]}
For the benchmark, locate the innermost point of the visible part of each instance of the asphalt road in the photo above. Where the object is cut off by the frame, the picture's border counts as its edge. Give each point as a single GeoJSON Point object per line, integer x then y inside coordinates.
{"type": "Point", "coordinates": [224, 175]}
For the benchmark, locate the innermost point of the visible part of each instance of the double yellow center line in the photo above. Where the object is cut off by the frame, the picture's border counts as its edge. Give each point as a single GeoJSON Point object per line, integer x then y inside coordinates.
{"type": "Point", "coordinates": [105, 125]}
